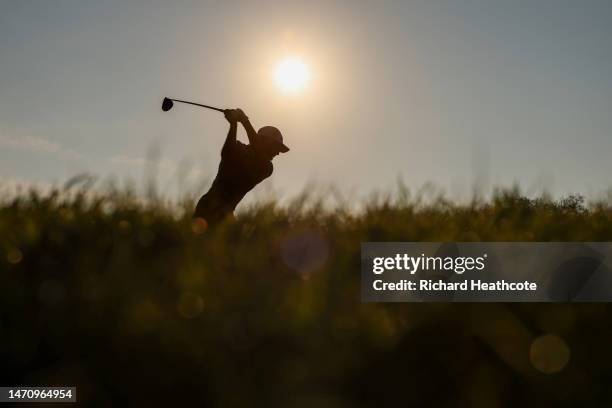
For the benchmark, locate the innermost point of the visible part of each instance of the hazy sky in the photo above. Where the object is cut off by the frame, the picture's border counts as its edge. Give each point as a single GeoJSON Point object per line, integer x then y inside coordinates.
{"type": "Point", "coordinates": [453, 92]}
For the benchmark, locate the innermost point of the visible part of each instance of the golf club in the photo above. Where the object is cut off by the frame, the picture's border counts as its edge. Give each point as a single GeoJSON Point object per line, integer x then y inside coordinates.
{"type": "Point", "coordinates": [168, 103]}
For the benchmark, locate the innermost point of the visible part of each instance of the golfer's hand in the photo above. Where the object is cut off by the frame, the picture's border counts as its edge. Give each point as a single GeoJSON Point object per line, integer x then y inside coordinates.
{"type": "Point", "coordinates": [230, 115]}
{"type": "Point", "coordinates": [241, 116]}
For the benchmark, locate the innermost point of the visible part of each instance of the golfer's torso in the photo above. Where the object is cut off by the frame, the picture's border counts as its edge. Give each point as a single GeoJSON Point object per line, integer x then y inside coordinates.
{"type": "Point", "coordinates": [240, 170]}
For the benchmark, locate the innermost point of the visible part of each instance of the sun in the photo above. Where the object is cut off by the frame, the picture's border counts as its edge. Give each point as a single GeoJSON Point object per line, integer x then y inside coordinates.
{"type": "Point", "coordinates": [291, 75]}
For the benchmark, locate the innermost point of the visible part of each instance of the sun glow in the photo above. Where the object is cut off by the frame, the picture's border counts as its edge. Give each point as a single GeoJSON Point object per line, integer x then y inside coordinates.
{"type": "Point", "coordinates": [291, 75]}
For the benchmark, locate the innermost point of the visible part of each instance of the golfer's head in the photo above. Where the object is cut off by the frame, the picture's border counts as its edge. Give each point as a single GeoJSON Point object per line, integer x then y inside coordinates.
{"type": "Point", "coordinates": [272, 139]}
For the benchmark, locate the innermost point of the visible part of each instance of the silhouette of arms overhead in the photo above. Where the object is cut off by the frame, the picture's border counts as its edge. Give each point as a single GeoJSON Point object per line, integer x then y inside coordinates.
{"type": "Point", "coordinates": [246, 123]}
{"type": "Point", "coordinates": [251, 133]}
{"type": "Point", "coordinates": [230, 140]}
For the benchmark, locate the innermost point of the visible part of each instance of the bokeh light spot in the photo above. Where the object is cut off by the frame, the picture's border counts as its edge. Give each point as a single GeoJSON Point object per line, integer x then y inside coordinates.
{"type": "Point", "coordinates": [549, 354]}
{"type": "Point", "coordinates": [14, 256]}
{"type": "Point", "coordinates": [304, 251]}
{"type": "Point", "coordinates": [199, 226]}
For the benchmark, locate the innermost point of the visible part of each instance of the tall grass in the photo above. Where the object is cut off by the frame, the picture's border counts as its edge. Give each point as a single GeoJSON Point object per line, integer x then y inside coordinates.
{"type": "Point", "coordinates": [137, 303]}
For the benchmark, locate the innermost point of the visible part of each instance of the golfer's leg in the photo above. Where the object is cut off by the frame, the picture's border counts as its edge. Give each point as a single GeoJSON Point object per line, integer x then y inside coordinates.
{"type": "Point", "coordinates": [210, 209]}
{"type": "Point", "coordinates": [204, 208]}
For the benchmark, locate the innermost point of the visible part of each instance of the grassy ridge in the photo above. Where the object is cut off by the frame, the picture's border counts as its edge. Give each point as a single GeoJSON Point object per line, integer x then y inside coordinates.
{"type": "Point", "coordinates": [139, 304]}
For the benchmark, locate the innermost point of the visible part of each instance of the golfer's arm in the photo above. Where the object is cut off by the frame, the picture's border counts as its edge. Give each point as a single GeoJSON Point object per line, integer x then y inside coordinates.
{"type": "Point", "coordinates": [231, 138]}
{"type": "Point", "coordinates": [251, 133]}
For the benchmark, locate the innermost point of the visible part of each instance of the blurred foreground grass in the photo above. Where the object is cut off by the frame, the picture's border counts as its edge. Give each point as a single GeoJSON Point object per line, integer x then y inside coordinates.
{"type": "Point", "coordinates": [137, 304]}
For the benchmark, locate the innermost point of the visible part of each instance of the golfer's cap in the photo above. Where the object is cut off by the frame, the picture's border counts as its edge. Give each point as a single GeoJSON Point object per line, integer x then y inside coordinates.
{"type": "Point", "coordinates": [274, 135]}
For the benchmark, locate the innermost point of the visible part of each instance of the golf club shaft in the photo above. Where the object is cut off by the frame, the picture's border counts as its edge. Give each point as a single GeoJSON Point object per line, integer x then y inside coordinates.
{"type": "Point", "coordinates": [198, 104]}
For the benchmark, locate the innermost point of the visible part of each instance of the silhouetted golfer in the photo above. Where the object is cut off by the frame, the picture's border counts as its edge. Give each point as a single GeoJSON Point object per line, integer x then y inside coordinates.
{"type": "Point", "coordinates": [242, 167]}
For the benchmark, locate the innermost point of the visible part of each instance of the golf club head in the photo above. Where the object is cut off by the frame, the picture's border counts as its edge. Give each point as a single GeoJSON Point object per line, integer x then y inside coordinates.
{"type": "Point", "coordinates": [167, 104]}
